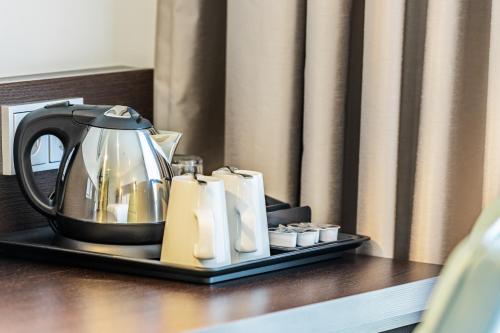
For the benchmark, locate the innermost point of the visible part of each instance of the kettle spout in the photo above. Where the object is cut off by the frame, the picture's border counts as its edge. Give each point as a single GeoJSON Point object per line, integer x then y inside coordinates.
{"type": "Point", "coordinates": [167, 140]}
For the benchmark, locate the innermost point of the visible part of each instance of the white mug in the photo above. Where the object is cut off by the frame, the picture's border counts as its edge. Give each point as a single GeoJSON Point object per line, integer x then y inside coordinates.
{"type": "Point", "coordinates": [196, 229]}
{"type": "Point", "coordinates": [246, 213]}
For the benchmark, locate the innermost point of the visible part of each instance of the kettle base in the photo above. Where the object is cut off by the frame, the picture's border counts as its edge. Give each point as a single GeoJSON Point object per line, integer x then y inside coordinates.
{"type": "Point", "coordinates": [109, 233]}
{"type": "Point", "coordinates": [148, 251]}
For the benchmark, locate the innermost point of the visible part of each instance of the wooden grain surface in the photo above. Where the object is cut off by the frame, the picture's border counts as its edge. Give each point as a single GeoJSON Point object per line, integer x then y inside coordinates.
{"type": "Point", "coordinates": [125, 86]}
{"type": "Point", "coordinates": [128, 87]}
{"type": "Point", "coordinates": [38, 297]}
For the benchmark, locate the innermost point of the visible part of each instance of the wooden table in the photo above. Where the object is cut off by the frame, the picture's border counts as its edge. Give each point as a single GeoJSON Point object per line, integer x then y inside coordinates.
{"type": "Point", "coordinates": [353, 293]}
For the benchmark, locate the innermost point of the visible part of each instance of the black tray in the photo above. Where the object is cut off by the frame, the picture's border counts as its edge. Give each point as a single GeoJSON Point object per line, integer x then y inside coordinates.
{"type": "Point", "coordinates": [38, 243]}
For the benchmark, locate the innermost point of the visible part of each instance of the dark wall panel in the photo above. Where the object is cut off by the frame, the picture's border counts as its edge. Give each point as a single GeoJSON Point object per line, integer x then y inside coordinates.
{"type": "Point", "coordinates": [132, 87]}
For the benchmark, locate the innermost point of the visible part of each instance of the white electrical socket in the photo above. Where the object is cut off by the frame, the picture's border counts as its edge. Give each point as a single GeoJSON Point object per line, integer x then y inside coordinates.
{"type": "Point", "coordinates": [47, 150]}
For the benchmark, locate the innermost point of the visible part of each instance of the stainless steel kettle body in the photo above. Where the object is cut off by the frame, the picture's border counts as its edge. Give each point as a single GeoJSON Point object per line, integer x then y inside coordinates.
{"type": "Point", "coordinates": [114, 178]}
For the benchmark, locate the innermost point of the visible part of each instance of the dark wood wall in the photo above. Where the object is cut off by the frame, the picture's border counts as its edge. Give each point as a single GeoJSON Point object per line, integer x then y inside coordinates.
{"type": "Point", "coordinates": [123, 86]}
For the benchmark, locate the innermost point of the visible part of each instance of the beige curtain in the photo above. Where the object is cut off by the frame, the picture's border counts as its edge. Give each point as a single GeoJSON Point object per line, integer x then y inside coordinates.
{"type": "Point", "coordinates": [381, 115]}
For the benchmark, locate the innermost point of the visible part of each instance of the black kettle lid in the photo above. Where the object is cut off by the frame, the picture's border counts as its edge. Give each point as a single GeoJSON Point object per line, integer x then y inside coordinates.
{"type": "Point", "coordinates": [116, 117]}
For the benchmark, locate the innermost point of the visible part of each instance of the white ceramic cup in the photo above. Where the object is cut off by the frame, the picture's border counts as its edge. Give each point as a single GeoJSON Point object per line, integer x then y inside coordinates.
{"type": "Point", "coordinates": [246, 213]}
{"type": "Point", "coordinates": [282, 238]}
{"type": "Point", "coordinates": [306, 238]}
{"type": "Point", "coordinates": [196, 229]}
{"type": "Point", "coordinates": [329, 233]}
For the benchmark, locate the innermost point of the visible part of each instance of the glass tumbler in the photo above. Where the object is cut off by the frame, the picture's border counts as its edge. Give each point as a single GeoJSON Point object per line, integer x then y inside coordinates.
{"type": "Point", "coordinates": [182, 164]}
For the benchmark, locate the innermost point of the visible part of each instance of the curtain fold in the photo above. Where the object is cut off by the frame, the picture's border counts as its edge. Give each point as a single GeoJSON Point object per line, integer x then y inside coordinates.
{"type": "Point", "coordinates": [190, 75]}
{"type": "Point", "coordinates": [294, 88]}
{"type": "Point", "coordinates": [448, 189]}
{"type": "Point", "coordinates": [382, 59]}
{"type": "Point", "coordinates": [325, 87]}
{"type": "Point", "coordinates": [491, 180]}
{"type": "Point", "coordinates": [264, 91]}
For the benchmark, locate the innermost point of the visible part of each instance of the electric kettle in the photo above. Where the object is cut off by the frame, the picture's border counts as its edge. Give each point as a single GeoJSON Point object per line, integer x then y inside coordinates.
{"type": "Point", "coordinates": [114, 177]}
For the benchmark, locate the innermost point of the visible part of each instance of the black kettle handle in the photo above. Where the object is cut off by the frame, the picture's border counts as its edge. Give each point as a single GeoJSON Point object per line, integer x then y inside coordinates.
{"type": "Point", "coordinates": [56, 120]}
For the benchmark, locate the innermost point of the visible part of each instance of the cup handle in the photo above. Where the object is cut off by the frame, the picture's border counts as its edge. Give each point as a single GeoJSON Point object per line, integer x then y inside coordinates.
{"type": "Point", "coordinates": [204, 248]}
{"type": "Point", "coordinates": [247, 238]}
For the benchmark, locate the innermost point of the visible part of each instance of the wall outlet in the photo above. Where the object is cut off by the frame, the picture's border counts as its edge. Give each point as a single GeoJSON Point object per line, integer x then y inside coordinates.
{"type": "Point", "coordinates": [47, 150]}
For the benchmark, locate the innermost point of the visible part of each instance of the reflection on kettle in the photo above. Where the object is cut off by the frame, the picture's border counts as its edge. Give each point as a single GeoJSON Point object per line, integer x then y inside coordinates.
{"type": "Point", "coordinates": [114, 177]}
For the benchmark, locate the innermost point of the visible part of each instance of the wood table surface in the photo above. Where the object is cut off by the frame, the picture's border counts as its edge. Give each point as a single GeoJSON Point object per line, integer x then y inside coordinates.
{"type": "Point", "coordinates": [40, 297]}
